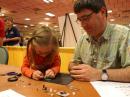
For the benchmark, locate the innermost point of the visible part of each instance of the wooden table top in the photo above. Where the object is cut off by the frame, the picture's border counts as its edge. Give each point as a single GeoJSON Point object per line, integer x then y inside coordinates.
{"type": "Point", "coordinates": [32, 88]}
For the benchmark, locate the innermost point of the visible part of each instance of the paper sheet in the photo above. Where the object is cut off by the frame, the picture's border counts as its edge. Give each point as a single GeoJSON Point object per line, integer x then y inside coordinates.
{"type": "Point", "coordinates": [10, 93]}
{"type": "Point", "coordinates": [112, 89]}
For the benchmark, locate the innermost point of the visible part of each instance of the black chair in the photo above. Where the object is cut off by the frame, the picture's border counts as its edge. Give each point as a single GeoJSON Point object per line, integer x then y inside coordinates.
{"type": "Point", "coordinates": [3, 55]}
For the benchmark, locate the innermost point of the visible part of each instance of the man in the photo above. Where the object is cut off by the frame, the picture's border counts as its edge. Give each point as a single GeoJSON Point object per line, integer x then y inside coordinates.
{"type": "Point", "coordinates": [12, 33]}
{"type": "Point", "coordinates": [2, 33]}
{"type": "Point", "coordinates": [102, 53]}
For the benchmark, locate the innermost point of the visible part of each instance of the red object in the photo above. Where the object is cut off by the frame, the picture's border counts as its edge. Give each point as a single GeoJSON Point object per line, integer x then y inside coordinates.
{"type": "Point", "coordinates": [2, 26]}
{"type": "Point", "coordinates": [27, 70]}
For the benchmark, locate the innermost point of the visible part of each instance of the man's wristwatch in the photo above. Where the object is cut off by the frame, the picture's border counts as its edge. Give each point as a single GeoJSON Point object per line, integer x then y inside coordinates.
{"type": "Point", "coordinates": [104, 75]}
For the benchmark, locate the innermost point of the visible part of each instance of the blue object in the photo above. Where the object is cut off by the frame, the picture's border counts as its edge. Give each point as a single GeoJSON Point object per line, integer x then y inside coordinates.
{"type": "Point", "coordinates": [12, 73]}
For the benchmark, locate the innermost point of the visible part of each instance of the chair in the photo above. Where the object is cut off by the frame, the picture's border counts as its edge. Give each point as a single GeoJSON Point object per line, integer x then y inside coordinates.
{"type": "Point", "coordinates": [3, 55]}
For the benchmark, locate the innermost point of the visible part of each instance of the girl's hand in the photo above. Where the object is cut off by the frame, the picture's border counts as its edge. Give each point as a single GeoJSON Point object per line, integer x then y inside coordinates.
{"type": "Point", "coordinates": [49, 73]}
{"type": "Point", "coordinates": [37, 75]}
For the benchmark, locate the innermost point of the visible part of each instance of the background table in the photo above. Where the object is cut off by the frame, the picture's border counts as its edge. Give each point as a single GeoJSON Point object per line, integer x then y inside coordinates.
{"type": "Point", "coordinates": [31, 88]}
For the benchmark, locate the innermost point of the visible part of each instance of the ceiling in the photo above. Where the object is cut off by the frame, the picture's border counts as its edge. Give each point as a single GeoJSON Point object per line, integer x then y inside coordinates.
{"type": "Point", "coordinates": [36, 9]}
{"type": "Point", "coordinates": [120, 11]}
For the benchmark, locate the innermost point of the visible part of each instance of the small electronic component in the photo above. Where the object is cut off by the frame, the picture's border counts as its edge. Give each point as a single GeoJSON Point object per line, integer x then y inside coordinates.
{"type": "Point", "coordinates": [47, 79]}
{"type": "Point", "coordinates": [62, 93]}
{"type": "Point", "coordinates": [44, 88]}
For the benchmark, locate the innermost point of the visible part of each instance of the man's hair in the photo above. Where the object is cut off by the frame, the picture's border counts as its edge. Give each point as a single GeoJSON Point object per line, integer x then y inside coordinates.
{"type": "Point", "coordinates": [94, 5]}
{"type": "Point", "coordinates": [8, 18]}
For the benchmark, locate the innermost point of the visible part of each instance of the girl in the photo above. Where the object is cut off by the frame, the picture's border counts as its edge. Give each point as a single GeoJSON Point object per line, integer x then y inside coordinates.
{"type": "Point", "coordinates": [42, 59]}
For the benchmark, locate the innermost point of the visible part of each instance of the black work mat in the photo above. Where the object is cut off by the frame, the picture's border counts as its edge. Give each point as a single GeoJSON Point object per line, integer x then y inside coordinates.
{"type": "Point", "coordinates": [60, 78]}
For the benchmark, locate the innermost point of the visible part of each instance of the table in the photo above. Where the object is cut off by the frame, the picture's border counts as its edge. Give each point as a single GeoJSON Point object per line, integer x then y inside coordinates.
{"type": "Point", "coordinates": [32, 88]}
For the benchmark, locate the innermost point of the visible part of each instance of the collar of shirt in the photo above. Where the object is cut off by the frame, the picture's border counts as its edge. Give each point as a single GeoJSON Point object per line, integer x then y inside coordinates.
{"type": "Point", "coordinates": [105, 36]}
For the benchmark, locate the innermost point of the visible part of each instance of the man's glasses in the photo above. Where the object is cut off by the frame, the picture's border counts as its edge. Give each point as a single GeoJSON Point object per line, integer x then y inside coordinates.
{"type": "Point", "coordinates": [84, 17]}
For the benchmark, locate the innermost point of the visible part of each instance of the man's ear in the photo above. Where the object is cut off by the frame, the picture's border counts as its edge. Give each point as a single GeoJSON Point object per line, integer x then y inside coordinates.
{"type": "Point", "coordinates": [104, 11]}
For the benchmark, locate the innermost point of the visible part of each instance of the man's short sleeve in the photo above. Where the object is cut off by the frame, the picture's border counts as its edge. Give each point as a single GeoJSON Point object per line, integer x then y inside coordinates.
{"type": "Point", "coordinates": [125, 49]}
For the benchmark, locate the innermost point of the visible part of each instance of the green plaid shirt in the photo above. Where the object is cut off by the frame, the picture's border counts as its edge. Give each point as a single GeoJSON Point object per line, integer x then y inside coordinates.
{"type": "Point", "coordinates": [110, 51]}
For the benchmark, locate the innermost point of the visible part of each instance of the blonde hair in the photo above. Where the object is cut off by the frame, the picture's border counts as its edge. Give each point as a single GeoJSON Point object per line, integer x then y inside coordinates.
{"type": "Point", "coordinates": [42, 36]}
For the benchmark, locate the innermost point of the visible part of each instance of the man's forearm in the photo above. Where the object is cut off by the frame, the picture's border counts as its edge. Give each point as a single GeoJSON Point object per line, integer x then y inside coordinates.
{"type": "Point", "coordinates": [122, 75]}
{"type": "Point", "coordinates": [12, 39]}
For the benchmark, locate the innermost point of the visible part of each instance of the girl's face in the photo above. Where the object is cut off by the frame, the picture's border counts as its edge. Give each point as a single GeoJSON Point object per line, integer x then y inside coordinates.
{"type": "Point", "coordinates": [43, 50]}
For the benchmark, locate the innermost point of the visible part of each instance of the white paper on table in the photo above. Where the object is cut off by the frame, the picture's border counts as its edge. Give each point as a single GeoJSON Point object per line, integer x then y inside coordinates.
{"type": "Point", "coordinates": [10, 93]}
{"type": "Point", "coordinates": [112, 89]}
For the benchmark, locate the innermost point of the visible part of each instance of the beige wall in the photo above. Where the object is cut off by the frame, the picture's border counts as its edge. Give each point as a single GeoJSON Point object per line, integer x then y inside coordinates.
{"type": "Point", "coordinates": [69, 40]}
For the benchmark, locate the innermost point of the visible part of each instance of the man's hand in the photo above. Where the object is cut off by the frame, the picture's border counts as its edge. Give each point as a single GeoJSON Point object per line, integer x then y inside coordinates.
{"type": "Point", "coordinates": [37, 75]}
{"type": "Point", "coordinates": [71, 64]}
{"type": "Point", "coordinates": [85, 72]}
{"type": "Point", "coordinates": [50, 73]}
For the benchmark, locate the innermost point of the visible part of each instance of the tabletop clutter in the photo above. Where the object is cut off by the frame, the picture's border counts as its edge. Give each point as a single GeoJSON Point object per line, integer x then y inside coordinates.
{"type": "Point", "coordinates": [14, 76]}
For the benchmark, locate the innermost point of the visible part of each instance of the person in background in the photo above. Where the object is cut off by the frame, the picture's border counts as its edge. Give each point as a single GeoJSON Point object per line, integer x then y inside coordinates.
{"type": "Point", "coordinates": [12, 33]}
{"type": "Point", "coordinates": [2, 31]}
{"type": "Point", "coordinates": [42, 59]}
{"type": "Point", "coordinates": [21, 41]}
{"type": "Point", "coordinates": [102, 53]}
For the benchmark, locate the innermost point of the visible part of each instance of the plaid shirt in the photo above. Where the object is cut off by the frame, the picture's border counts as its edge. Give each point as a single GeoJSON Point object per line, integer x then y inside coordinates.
{"type": "Point", "coordinates": [111, 50]}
